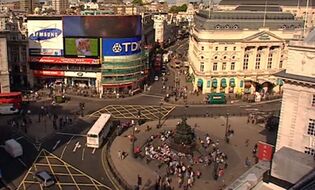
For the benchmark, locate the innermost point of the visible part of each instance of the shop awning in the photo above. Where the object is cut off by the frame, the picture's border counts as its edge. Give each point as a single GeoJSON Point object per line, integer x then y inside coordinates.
{"type": "Point", "coordinates": [279, 82]}
{"type": "Point", "coordinates": [214, 83]}
{"type": "Point", "coordinates": [199, 82]}
{"type": "Point", "coordinates": [232, 82]}
{"type": "Point", "coordinates": [223, 83]}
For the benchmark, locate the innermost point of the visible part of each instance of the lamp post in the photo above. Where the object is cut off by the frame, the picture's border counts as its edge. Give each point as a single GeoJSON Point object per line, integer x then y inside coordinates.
{"type": "Point", "coordinates": [160, 115]}
{"type": "Point", "coordinates": [227, 128]}
{"type": "Point", "coordinates": [133, 133]}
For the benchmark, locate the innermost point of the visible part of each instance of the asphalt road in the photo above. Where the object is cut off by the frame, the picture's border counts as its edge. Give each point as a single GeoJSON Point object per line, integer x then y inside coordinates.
{"type": "Point", "coordinates": [84, 158]}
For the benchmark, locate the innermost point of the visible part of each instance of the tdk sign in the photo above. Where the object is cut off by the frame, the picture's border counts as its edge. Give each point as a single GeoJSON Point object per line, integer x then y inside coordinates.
{"type": "Point", "coordinates": [45, 34]}
{"type": "Point", "coordinates": [121, 46]}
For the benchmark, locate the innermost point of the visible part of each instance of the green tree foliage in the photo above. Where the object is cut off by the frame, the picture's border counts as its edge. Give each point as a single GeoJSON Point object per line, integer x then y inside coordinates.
{"type": "Point", "coordinates": [176, 9]}
{"type": "Point", "coordinates": [137, 2]}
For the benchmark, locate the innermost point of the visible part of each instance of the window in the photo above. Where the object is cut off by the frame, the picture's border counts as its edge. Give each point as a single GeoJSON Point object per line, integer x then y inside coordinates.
{"type": "Point", "coordinates": [225, 48]}
{"type": "Point", "coordinates": [202, 66]}
{"type": "Point", "coordinates": [245, 64]}
{"type": "Point", "coordinates": [309, 151]}
{"type": "Point", "coordinates": [216, 48]}
{"type": "Point", "coordinates": [234, 48]}
{"type": "Point", "coordinates": [257, 65]}
{"type": "Point", "coordinates": [232, 66]}
{"type": "Point", "coordinates": [216, 57]}
{"type": "Point", "coordinates": [215, 66]}
{"type": "Point", "coordinates": [281, 64]}
{"type": "Point", "coordinates": [311, 127]}
{"type": "Point", "coordinates": [202, 48]}
{"type": "Point", "coordinates": [224, 57]}
{"type": "Point", "coordinates": [208, 84]}
{"type": "Point", "coordinates": [313, 100]}
{"type": "Point", "coordinates": [224, 66]}
{"type": "Point", "coordinates": [201, 57]}
{"type": "Point", "coordinates": [269, 64]}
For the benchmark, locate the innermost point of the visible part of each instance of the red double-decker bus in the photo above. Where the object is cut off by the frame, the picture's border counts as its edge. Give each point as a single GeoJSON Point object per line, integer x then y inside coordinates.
{"type": "Point", "coordinates": [14, 98]}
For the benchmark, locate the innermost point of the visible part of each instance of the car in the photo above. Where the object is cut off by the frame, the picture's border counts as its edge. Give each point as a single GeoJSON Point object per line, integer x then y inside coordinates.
{"type": "Point", "coordinates": [44, 178]}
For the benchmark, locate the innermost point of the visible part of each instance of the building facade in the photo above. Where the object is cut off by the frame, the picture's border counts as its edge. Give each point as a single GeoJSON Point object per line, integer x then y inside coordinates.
{"type": "Point", "coordinates": [238, 51]}
{"type": "Point", "coordinates": [166, 29]}
{"type": "Point", "coordinates": [299, 8]}
{"type": "Point", "coordinates": [297, 121]}
{"type": "Point", "coordinates": [4, 73]}
{"type": "Point", "coordinates": [59, 6]}
{"type": "Point", "coordinates": [88, 52]}
{"type": "Point", "coordinates": [28, 5]}
{"type": "Point", "coordinates": [12, 26]}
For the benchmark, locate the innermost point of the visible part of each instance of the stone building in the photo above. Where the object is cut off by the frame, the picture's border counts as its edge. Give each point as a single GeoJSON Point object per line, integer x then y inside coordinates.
{"type": "Point", "coordinates": [239, 51]}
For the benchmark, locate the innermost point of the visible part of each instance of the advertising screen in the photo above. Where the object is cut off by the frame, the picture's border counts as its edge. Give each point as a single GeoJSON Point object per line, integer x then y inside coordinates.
{"type": "Point", "coordinates": [102, 26]}
{"type": "Point", "coordinates": [63, 60]}
{"type": "Point", "coordinates": [121, 46]}
{"type": "Point", "coordinates": [82, 47]}
{"type": "Point", "coordinates": [45, 37]}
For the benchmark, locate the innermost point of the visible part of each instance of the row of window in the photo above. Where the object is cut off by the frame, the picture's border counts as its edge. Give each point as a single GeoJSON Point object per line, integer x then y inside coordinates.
{"type": "Point", "coordinates": [224, 65]}
{"type": "Point", "coordinates": [217, 48]}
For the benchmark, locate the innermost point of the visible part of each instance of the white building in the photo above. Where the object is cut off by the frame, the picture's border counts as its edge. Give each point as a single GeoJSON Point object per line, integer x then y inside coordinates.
{"type": "Point", "coordinates": [165, 28]}
{"type": "Point", "coordinates": [299, 8]}
{"type": "Point", "coordinates": [59, 6]}
{"type": "Point", "coordinates": [4, 72]}
{"type": "Point", "coordinates": [239, 51]}
{"type": "Point", "coordinates": [297, 123]}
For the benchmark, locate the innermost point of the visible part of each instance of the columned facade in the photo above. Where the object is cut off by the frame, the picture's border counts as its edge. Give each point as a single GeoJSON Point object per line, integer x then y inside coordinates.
{"type": "Point", "coordinates": [232, 58]}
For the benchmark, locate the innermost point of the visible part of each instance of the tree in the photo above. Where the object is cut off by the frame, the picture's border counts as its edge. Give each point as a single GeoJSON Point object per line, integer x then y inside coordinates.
{"type": "Point", "coordinates": [137, 2]}
{"type": "Point", "coordinates": [176, 9]}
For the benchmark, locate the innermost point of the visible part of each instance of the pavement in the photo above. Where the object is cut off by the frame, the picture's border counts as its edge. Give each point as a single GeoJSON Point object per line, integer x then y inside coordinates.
{"type": "Point", "coordinates": [130, 167]}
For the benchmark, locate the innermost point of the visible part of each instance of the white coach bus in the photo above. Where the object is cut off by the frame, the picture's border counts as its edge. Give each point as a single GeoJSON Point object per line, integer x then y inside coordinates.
{"type": "Point", "coordinates": [99, 131]}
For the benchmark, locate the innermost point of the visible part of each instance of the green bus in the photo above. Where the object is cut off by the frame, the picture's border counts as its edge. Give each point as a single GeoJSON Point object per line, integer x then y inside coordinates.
{"type": "Point", "coordinates": [216, 98]}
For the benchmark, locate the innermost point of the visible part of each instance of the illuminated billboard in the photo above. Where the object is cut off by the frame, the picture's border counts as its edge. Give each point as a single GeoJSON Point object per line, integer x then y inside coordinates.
{"type": "Point", "coordinates": [63, 60]}
{"type": "Point", "coordinates": [45, 37]}
{"type": "Point", "coordinates": [81, 47]}
{"type": "Point", "coordinates": [121, 46]}
{"type": "Point", "coordinates": [102, 26]}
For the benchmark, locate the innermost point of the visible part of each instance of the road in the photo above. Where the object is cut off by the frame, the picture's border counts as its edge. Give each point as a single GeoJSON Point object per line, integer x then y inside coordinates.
{"type": "Point", "coordinates": [87, 160]}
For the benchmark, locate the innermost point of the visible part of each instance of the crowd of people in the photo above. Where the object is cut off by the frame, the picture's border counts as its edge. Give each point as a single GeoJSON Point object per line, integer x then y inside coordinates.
{"type": "Point", "coordinates": [185, 168]}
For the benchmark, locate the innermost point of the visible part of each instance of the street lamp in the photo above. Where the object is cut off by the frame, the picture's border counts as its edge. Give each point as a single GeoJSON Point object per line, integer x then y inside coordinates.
{"type": "Point", "coordinates": [160, 115]}
{"type": "Point", "coordinates": [227, 128]}
{"type": "Point", "coordinates": [133, 133]}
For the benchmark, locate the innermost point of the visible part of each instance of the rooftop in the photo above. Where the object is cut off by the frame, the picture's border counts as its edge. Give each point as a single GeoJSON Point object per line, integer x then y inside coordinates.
{"type": "Point", "coordinates": [270, 2]}
{"type": "Point", "coordinates": [238, 20]}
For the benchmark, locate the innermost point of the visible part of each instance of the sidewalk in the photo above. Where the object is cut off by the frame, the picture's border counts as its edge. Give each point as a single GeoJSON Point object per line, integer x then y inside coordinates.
{"type": "Point", "coordinates": [130, 167]}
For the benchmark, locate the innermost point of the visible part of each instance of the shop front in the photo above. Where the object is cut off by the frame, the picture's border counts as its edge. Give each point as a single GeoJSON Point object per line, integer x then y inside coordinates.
{"type": "Point", "coordinates": [81, 79]}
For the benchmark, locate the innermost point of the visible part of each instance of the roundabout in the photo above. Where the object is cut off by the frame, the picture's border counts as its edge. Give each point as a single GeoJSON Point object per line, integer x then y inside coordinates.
{"type": "Point", "coordinates": [212, 164]}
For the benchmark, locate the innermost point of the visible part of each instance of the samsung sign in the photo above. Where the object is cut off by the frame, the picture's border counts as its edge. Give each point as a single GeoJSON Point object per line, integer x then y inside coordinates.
{"type": "Point", "coordinates": [45, 34]}
{"type": "Point", "coordinates": [121, 46]}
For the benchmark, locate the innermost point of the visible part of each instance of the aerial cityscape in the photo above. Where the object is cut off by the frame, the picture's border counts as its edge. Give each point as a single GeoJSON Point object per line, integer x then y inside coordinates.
{"type": "Point", "coordinates": [157, 95]}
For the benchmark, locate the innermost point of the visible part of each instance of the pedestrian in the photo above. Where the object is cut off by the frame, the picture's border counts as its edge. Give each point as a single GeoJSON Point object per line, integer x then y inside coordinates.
{"type": "Point", "coordinates": [247, 162]}
{"type": "Point", "coordinates": [139, 180]}
{"type": "Point", "coordinates": [247, 142]}
{"type": "Point", "coordinates": [119, 154]}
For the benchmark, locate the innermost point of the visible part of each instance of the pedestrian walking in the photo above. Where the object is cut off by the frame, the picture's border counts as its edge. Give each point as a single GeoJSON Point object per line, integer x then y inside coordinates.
{"type": "Point", "coordinates": [139, 180]}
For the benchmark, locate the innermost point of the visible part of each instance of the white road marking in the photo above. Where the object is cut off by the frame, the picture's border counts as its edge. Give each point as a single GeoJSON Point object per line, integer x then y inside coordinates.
{"type": "Point", "coordinates": [83, 150]}
{"type": "Point", "coordinates": [71, 134]}
{"type": "Point", "coordinates": [77, 145]}
{"type": "Point", "coordinates": [21, 161]}
{"type": "Point", "coordinates": [21, 137]}
{"type": "Point", "coordinates": [252, 109]}
{"type": "Point", "coordinates": [246, 106]}
{"type": "Point", "coordinates": [70, 140]}
{"type": "Point", "coordinates": [93, 151]}
{"type": "Point", "coordinates": [57, 143]}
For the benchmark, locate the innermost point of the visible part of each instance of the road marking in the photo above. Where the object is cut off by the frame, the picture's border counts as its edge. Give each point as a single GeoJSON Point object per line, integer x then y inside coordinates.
{"type": "Point", "coordinates": [71, 134]}
{"type": "Point", "coordinates": [103, 164]}
{"type": "Point", "coordinates": [21, 137]}
{"type": "Point", "coordinates": [77, 145]}
{"type": "Point", "coordinates": [83, 150]}
{"type": "Point", "coordinates": [57, 143]}
{"type": "Point", "coordinates": [93, 151]}
{"type": "Point", "coordinates": [245, 106]}
{"type": "Point", "coordinates": [21, 161]}
{"type": "Point", "coordinates": [252, 109]}
{"type": "Point", "coordinates": [70, 140]}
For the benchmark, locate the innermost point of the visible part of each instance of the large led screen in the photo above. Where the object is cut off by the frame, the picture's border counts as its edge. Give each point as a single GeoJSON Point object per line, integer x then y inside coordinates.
{"type": "Point", "coordinates": [81, 47]}
{"type": "Point", "coordinates": [45, 37]}
{"type": "Point", "coordinates": [121, 46]}
{"type": "Point", "coordinates": [102, 26]}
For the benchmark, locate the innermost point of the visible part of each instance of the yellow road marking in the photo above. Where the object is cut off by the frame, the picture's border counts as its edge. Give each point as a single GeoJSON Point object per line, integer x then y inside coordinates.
{"type": "Point", "coordinates": [52, 171]}
{"type": "Point", "coordinates": [109, 177]}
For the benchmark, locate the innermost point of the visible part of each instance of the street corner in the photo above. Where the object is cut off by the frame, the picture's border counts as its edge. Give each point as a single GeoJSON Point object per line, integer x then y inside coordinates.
{"type": "Point", "coordinates": [65, 175]}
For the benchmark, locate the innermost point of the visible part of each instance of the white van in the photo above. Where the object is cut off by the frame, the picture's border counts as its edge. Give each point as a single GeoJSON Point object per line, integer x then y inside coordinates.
{"type": "Point", "coordinates": [13, 148]}
{"type": "Point", "coordinates": [8, 109]}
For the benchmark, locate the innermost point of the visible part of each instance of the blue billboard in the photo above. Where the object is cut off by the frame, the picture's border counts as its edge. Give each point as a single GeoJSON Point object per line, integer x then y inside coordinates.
{"type": "Point", "coordinates": [121, 46]}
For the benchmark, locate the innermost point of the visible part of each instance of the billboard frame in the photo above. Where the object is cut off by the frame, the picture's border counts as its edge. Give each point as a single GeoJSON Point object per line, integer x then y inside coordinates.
{"type": "Point", "coordinates": [76, 56]}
